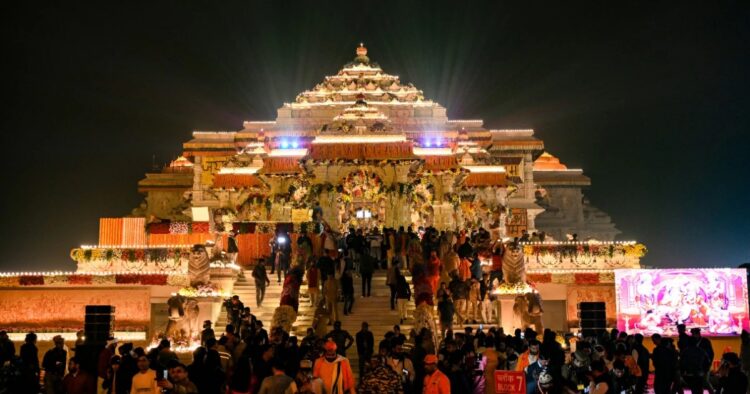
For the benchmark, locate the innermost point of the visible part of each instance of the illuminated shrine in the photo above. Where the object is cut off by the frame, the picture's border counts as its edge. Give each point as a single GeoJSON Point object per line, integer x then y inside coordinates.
{"type": "Point", "coordinates": [361, 149]}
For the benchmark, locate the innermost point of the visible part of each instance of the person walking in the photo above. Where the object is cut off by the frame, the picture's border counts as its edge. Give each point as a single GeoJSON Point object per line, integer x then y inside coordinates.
{"type": "Point", "coordinates": [335, 371]}
{"type": "Point", "coordinates": [693, 364]}
{"type": "Point", "coordinates": [30, 364]}
{"type": "Point", "coordinates": [347, 290]}
{"type": "Point", "coordinates": [435, 382]}
{"type": "Point", "coordinates": [446, 310]}
{"type": "Point", "coordinates": [403, 295]}
{"type": "Point", "coordinates": [392, 282]}
{"type": "Point", "coordinates": [365, 347]}
{"type": "Point", "coordinates": [380, 378]}
{"type": "Point", "coordinates": [664, 360]}
{"type": "Point", "coordinates": [313, 284]}
{"type": "Point", "coordinates": [261, 281]}
{"type": "Point", "coordinates": [232, 249]}
{"type": "Point", "coordinates": [341, 338]}
{"type": "Point", "coordinates": [366, 268]}
{"type": "Point", "coordinates": [53, 364]}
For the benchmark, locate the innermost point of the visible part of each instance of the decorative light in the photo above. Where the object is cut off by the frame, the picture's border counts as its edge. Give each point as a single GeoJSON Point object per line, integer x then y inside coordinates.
{"type": "Point", "coordinates": [432, 151]}
{"type": "Point", "coordinates": [427, 144]}
{"type": "Point", "coordinates": [345, 139]}
{"type": "Point", "coordinates": [295, 144]}
{"type": "Point", "coordinates": [569, 243]}
{"type": "Point", "coordinates": [239, 170]}
{"type": "Point", "coordinates": [71, 336]}
{"type": "Point", "coordinates": [288, 152]}
{"type": "Point", "coordinates": [284, 144]}
{"type": "Point", "coordinates": [485, 169]}
{"type": "Point", "coordinates": [364, 214]}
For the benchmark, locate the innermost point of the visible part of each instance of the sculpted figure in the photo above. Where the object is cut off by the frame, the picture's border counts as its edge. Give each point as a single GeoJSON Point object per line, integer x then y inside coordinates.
{"type": "Point", "coordinates": [528, 308]}
{"type": "Point", "coordinates": [183, 317]}
{"type": "Point", "coordinates": [198, 266]}
{"type": "Point", "coordinates": [514, 266]}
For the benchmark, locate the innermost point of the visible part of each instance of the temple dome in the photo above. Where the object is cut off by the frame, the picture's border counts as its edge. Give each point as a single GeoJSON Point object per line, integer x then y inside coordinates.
{"type": "Point", "coordinates": [547, 162]}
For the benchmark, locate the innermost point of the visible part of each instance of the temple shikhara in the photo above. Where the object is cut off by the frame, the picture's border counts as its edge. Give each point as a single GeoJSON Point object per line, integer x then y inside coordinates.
{"type": "Point", "coordinates": [363, 149]}
{"type": "Point", "coordinates": [359, 150]}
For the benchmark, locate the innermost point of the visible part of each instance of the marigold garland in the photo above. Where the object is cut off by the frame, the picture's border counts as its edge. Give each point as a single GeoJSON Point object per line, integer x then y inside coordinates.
{"type": "Point", "coordinates": [31, 280]}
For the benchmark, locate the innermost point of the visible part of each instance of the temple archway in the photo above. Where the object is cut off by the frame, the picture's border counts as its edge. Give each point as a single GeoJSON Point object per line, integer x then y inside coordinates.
{"type": "Point", "coordinates": [361, 200]}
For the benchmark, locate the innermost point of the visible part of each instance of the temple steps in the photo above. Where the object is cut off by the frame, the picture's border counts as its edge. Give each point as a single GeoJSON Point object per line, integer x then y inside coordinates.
{"type": "Point", "coordinates": [374, 309]}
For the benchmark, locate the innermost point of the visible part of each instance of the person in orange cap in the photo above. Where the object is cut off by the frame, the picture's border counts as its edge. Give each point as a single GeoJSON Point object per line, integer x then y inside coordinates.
{"type": "Point", "coordinates": [435, 382]}
{"type": "Point", "coordinates": [334, 370]}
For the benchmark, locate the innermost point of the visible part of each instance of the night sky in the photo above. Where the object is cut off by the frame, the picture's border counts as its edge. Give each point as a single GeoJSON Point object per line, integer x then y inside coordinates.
{"type": "Point", "coordinates": [650, 99]}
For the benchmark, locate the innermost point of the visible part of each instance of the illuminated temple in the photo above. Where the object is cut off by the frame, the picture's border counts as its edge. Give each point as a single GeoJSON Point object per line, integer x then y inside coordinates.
{"type": "Point", "coordinates": [360, 149]}
{"type": "Point", "coordinates": [364, 149]}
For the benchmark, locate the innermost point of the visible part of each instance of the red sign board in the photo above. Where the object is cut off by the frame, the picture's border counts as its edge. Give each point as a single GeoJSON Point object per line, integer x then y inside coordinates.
{"type": "Point", "coordinates": [510, 382]}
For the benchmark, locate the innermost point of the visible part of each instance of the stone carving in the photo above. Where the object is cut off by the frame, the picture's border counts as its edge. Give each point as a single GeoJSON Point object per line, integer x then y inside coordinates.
{"type": "Point", "coordinates": [514, 266]}
{"type": "Point", "coordinates": [199, 268]}
{"type": "Point", "coordinates": [183, 318]}
{"type": "Point", "coordinates": [528, 308]}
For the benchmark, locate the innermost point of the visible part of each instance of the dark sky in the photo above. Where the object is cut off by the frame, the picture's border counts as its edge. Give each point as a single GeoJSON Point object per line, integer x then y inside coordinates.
{"type": "Point", "coordinates": [651, 99]}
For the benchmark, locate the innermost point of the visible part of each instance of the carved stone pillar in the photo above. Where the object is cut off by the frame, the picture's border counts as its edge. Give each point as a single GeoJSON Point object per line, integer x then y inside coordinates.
{"type": "Point", "coordinates": [327, 201]}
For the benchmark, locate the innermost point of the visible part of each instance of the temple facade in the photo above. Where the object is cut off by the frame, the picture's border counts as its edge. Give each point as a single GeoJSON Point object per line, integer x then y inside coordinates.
{"type": "Point", "coordinates": [364, 149]}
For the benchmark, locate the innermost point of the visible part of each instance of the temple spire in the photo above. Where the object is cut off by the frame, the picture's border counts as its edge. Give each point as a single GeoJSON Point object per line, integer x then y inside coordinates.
{"type": "Point", "coordinates": [362, 54]}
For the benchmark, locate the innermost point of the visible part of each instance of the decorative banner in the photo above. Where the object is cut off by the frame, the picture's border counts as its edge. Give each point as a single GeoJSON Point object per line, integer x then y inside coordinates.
{"type": "Point", "coordinates": [110, 231]}
{"type": "Point", "coordinates": [355, 151]}
{"type": "Point", "coordinates": [516, 222]}
{"type": "Point", "coordinates": [179, 239]}
{"type": "Point", "coordinates": [510, 382]}
{"type": "Point", "coordinates": [253, 247]}
{"type": "Point", "coordinates": [134, 231]}
{"type": "Point", "coordinates": [63, 309]}
{"type": "Point", "coordinates": [281, 165]}
{"type": "Point", "coordinates": [656, 300]}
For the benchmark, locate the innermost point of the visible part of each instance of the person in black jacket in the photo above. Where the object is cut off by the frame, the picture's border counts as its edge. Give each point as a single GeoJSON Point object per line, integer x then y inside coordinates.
{"type": "Point", "coordinates": [731, 378]}
{"type": "Point", "coordinates": [664, 360]}
{"type": "Point", "coordinates": [365, 347]}
{"type": "Point", "coordinates": [643, 363]}
{"type": "Point", "coordinates": [693, 362]}
{"type": "Point", "coordinates": [403, 294]}
{"type": "Point", "coordinates": [53, 364]}
{"type": "Point", "coordinates": [347, 290]}
{"type": "Point", "coordinates": [704, 344]}
{"type": "Point", "coordinates": [30, 364]}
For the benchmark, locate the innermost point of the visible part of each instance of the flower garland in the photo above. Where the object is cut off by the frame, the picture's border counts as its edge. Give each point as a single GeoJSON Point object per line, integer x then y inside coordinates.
{"type": "Point", "coordinates": [83, 280]}
{"type": "Point", "coordinates": [203, 290]}
{"type": "Point", "coordinates": [579, 278]}
{"type": "Point", "coordinates": [284, 317]}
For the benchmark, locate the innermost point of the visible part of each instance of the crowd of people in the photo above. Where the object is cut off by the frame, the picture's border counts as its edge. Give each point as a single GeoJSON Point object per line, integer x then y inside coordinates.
{"type": "Point", "coordinates": [454, 274]}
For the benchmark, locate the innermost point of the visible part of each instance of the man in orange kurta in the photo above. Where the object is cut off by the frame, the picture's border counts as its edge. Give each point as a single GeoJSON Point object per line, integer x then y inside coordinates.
{"type": "Point", "coordinates": [435, 382]}
{"type": "Point", "coordinates": [335, 371]}
{"type": "Point", "coordinates": [529, 356]}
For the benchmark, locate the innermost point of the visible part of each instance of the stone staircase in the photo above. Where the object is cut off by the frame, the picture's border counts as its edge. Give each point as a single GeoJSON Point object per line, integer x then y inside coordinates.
{"type": "Point", "coordinates": [374, 309]}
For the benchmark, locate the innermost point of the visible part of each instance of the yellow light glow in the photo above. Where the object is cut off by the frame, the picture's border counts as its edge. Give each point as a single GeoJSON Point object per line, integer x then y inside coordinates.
{"type": "Point", "coordinates": [71, 336]}
{"type": "Point", "coordinates": [485, 169]}
{"type": "Point", "coordinates": [288, 152]}
{"type": "Point", "coordinates": [357, 139]}
{"type": "Point", "coordinates": [433, 151]}
{"type": "Point", "coordinates": [239, 170]}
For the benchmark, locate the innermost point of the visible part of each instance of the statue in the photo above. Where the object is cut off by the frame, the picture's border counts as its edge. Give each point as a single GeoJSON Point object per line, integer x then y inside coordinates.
{"type": "Point", "coordinates": [528, 308]}
{"type": "Point", "coordinates": [199, 268]}
{"type": "Point", "coordinates": [514, 265]}
{"type": "Point", "coordinates": [183, 318]}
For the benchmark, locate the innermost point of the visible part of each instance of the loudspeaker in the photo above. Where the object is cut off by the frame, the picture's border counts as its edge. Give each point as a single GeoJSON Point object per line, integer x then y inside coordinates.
{"type": "Point", "coordinates": [592, 317]}
{"type": "Point", "coordinates": [99, 324]}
